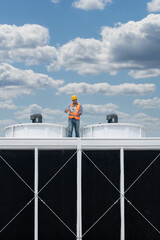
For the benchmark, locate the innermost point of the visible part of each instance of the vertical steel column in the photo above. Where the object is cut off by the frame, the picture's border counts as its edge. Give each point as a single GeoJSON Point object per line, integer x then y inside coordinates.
{"type": "Point", "coordinates": [79, 190]}
{"type": "Point", "coordinates": [122, 194]}
{"type": "Point", "coordinates": [36, 194]}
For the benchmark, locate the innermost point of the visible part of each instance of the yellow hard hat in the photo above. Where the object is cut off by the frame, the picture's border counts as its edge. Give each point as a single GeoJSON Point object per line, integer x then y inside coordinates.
{"type": "Point", "coordinates": [74, 97]}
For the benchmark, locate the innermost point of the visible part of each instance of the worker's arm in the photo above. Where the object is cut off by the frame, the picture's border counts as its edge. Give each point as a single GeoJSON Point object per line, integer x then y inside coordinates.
{"type": "Point", "coordinates": [67, 109]}
{"type": "Point", "coordinates": [80, 113]}
{"type": "Point", "coordinates": [80, 110]}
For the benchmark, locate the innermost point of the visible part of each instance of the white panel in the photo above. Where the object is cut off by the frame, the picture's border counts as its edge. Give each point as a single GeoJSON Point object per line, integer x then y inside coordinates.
{"type": "Point", "coordinates": [36, 130]}
{"type": "Point", "coordinates": [114, 130]}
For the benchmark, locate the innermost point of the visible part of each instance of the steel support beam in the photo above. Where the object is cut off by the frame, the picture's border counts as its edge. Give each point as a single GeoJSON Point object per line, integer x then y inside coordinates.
{"type": "Point", "coordinates": [122, 190]}
{"type": "Point", "coordinates": [36, 195]}
{"type": "Point", "coordinates": [79, 190]}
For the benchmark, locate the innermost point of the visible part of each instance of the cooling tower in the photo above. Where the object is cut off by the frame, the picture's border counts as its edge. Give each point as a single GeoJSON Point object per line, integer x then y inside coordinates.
{"type": "Point", "coordinates": [104, 185]}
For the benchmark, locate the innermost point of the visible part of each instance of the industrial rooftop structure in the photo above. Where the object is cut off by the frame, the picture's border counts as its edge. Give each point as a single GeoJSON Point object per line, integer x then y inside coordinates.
{"type": "Point", "coordinates": [103, 185]}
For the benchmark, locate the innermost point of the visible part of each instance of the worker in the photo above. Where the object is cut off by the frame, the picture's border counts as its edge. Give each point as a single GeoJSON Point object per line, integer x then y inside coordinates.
{"type": "Point", "coordinates": [75, 110]}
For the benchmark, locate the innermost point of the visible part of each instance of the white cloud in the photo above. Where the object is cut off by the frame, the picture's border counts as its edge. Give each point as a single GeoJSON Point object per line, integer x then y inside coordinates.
{"type": "Point", "coordinates": [11, 76]}
{"type": "Point", "coordinates": [148, 103]}
{"type": "Point", "coordinates": [154, 6]}
{"type": "Point", "coordinates": [26, 36]}
{"type": "Point", "coordinates": [15, 82]}
{"type": "Point", "coordinates": [23, 36]}
{"type": "Point", "coordinates": [27, 43]}
{"type": "Point", "coordinates": [91, 4]}
{"type": "Point", "coordinates": [25, 112]}
{"type": "Point", "coordinates": [144, 73]}
{"type": "Point", "coordinates": [55, 1]}
{"type": "Point", "coordinates": [47, 113]}
{"type": "Point", "coordinates": [150, 122]}
{"type": "Point", "coordinates": [133, 45]}
{"type": "Point", "coordinates": [7, 105]}
{"type": "Point", "coordinates": [31, 56]}
{"type": "Point", "coordinates": [85, 56]}
{"type": "Point", "coordinates": [10, 92]}
{"type": "Point", "coordinates": [90, 109]}
{"type": "Point", "coordinates": [107, 89]}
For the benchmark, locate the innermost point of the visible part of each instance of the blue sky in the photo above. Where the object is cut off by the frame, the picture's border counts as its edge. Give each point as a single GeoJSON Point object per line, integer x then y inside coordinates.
{"type": "Point", "coordinates": [107, 52]}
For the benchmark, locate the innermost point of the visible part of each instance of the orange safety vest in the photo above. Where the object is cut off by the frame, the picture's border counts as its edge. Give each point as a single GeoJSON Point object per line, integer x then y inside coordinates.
{"type": "Point", "coordinates": [74, 114]}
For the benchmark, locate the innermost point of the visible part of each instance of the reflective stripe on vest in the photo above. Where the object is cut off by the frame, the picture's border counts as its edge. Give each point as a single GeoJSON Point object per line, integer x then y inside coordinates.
{"type": "Point", "coordinates": [74, 114]}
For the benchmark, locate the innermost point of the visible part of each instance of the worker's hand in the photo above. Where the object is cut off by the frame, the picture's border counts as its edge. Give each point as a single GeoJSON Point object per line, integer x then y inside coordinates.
{"type": "Point", "coordinates": [67, 110]}
{"type": "Point", "coordinates": [79, 113]}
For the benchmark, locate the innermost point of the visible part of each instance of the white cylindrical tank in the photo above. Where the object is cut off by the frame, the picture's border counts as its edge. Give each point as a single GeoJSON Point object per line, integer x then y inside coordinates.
{"type": "Point", "coordinates": [114, 130]}
{"type": "Point", "coordinates": [36, 130]}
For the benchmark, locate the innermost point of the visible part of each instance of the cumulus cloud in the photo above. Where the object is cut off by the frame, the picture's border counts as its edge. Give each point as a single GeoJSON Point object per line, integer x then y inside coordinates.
{"type": "Point", "coordinates": [154, 6]}
{"type": "Point", "coordinates": [25, 112]}
{"type": "Point", "coordinates": [31, 56]}
{"type": "Point", "coordinates": [47, 113]}
{"type": "Point", "coordinates": [133, 45]}
{"type": "Point", "coordinates": [10, 92]}
{"type": "Point", "coordinates": [27, 43]}
{"type": "Point", "coordinates": [149, 122]}
{"type": "Point", "coordinates": [11, 76]}
{"type": "Point", "coordinates": [25, 36]}
{"type": "Point", "coordinates": [148, 103]}
{"type": "Point", "coordinates": [84, 56]}
{"type": "Point", "coordinates": [91, 109]}
{"type": "Point", "coordinates": [91, 4]}
{"type": "Point", "coordinates": [7, 105]}
{"type": "Point", "coordinates": [107, 89]}
{"type": "Point", "coordinates": [144, 73]}
{"type": "Point", "coordinates": [15, 82]}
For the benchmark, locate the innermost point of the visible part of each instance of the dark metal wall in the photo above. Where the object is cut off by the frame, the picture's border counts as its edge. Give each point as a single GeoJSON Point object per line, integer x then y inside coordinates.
{"type": "Point", "coordinates": [14, 194]}
{"type": "Point", "coordinates": [144, 194]}
{"type": "Point", "coordinates": [60, 194]}
{"type": "Point", "coordinates": [100, 169]}
{"type": "Point", "coordinates": [100, 194]}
